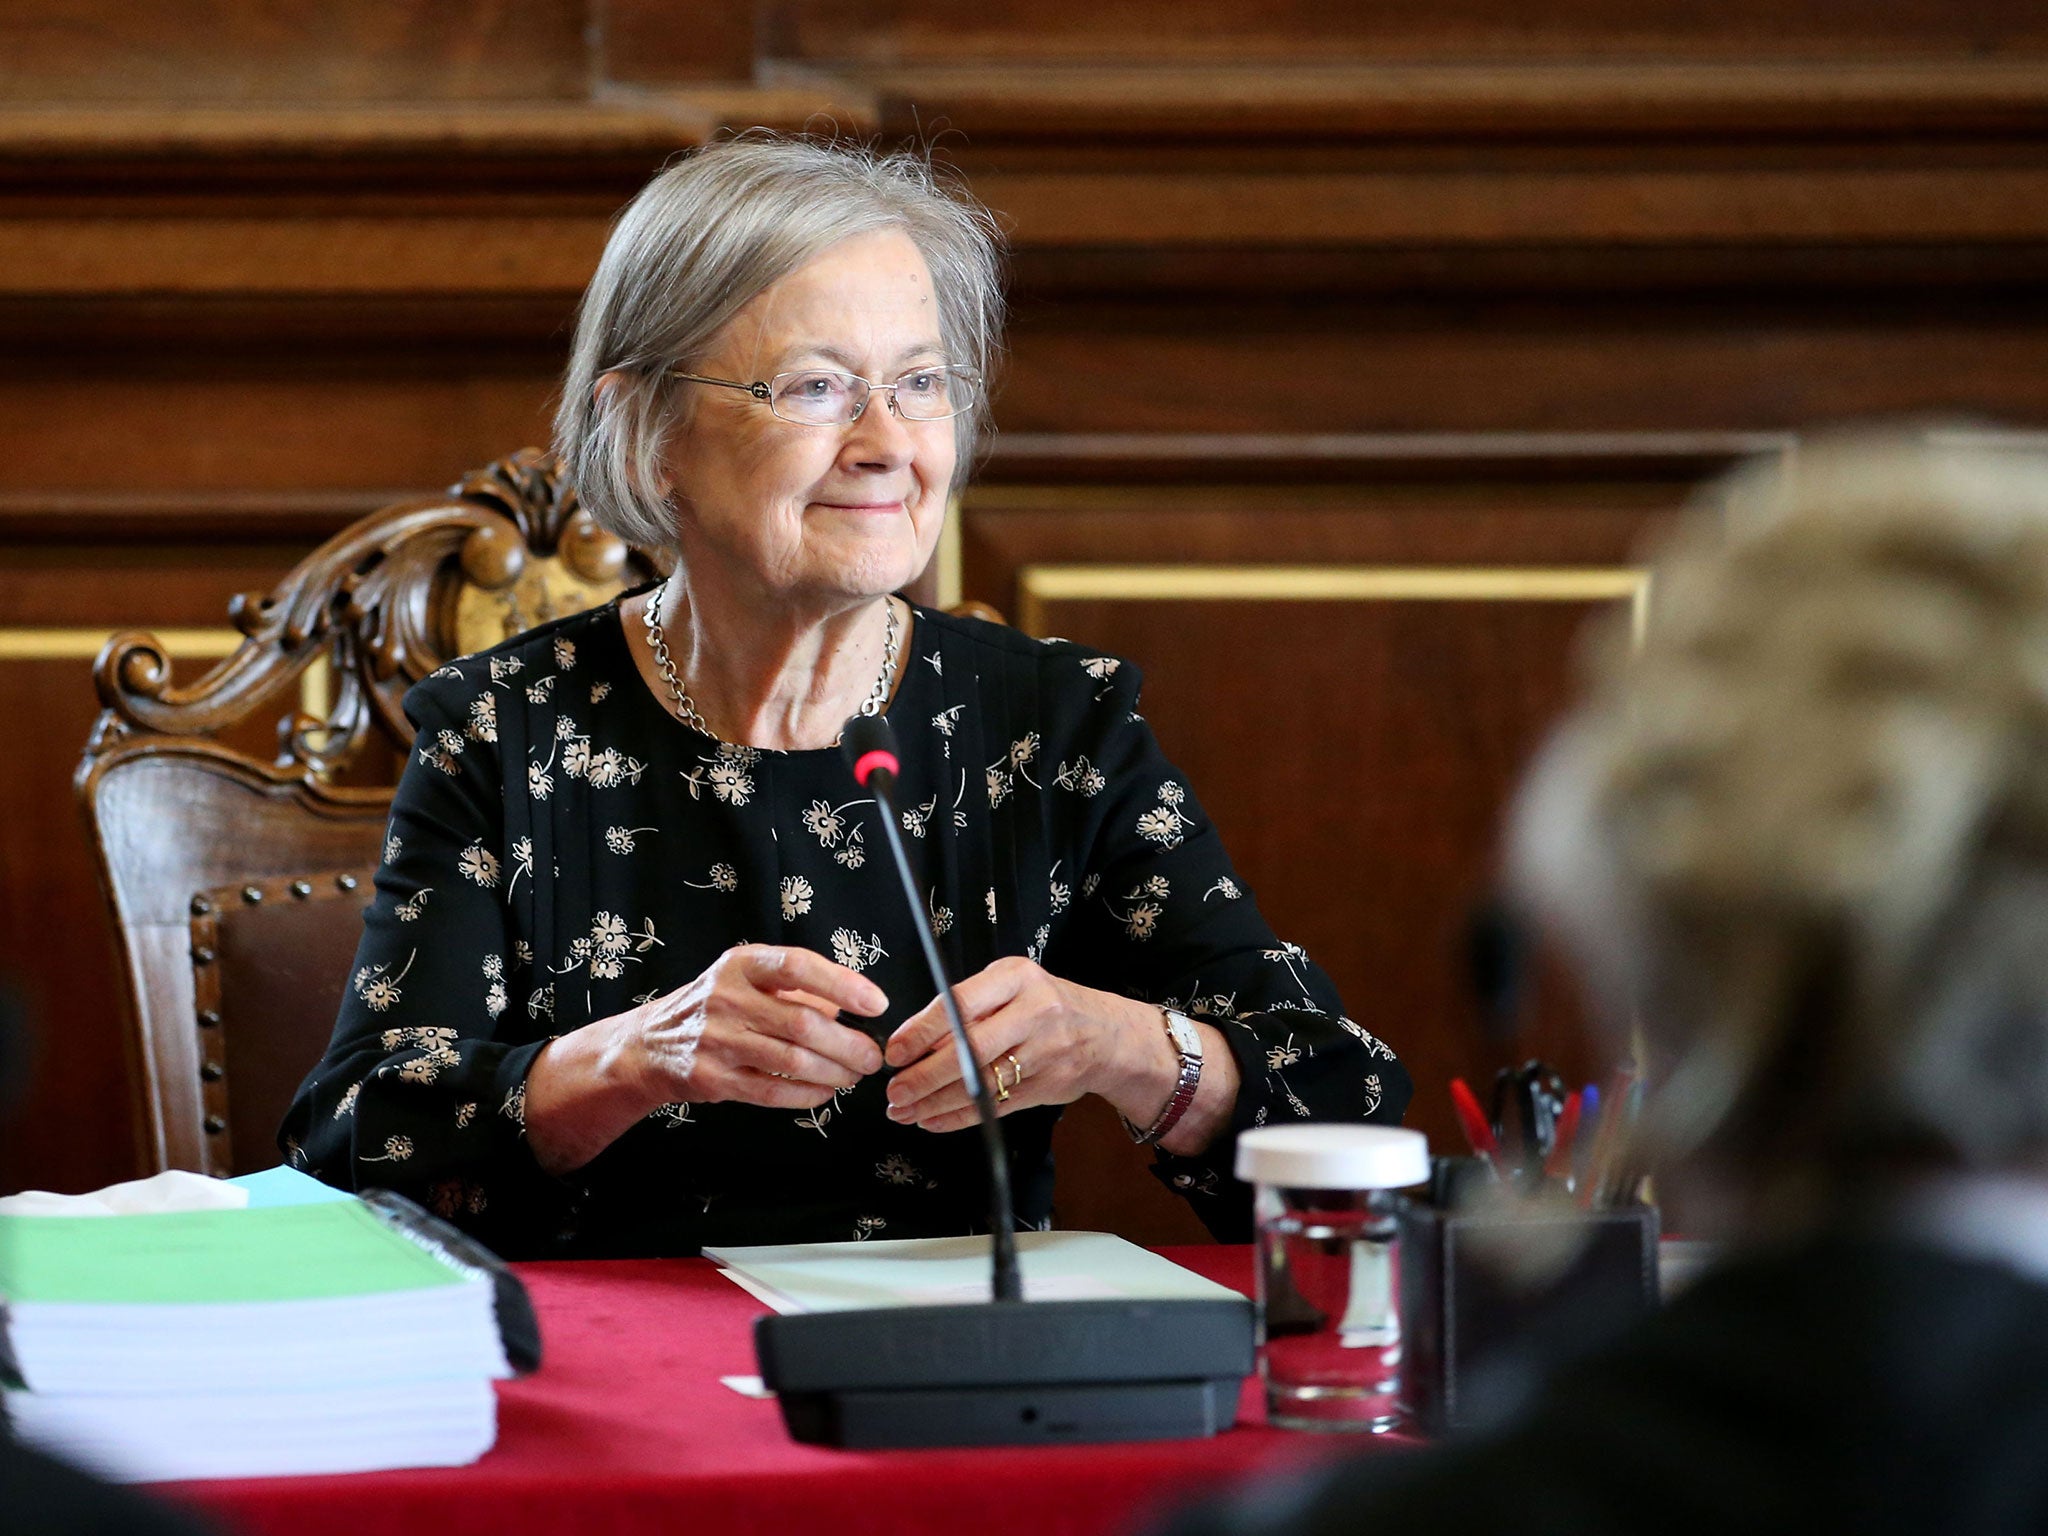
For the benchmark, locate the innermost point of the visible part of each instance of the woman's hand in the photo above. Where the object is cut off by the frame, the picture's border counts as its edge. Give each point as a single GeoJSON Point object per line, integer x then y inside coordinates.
{"type": "Point", "coordinates": [1066, 1040]}
{"type": "Point", "coordinates": [760, 1026]}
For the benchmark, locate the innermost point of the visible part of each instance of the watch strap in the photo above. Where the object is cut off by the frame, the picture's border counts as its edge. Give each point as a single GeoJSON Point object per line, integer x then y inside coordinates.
{"type": "Point", "coordinates": [1183, 1089]}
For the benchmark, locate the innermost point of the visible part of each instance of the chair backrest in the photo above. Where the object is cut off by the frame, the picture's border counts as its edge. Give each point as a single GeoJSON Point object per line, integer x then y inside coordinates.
{"type": "Point", "coordinates": [236, 884]}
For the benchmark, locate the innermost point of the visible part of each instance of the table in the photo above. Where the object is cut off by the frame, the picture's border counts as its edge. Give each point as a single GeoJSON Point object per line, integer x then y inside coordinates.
{"type": "Point", "coordinates": [627, 1428]}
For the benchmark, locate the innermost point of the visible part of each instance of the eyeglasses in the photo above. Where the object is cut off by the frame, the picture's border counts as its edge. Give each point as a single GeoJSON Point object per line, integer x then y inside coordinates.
{"type": "Point", "coordinates": [825, 397]}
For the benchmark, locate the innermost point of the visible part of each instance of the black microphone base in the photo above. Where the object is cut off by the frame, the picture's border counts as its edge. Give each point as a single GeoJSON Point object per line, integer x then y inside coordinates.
{"type": "Point", "coordinates": [1092, 1415]}
{"type": "Point", "coordinates": [1009, 1373]}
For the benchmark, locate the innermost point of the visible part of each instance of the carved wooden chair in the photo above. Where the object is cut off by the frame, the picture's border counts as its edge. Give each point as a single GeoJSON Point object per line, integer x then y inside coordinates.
{"type": "Point", "coordinates": [236, 884]}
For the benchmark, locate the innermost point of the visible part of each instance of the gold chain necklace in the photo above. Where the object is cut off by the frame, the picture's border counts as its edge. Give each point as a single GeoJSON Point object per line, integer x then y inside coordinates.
{"type": "Point", "coordinates": [686, 707]}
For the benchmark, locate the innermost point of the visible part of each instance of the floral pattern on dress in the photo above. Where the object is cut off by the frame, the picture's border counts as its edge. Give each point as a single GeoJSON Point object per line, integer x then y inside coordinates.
{"type": "Point", "coordinates": [854, 951]}
{"type": "Point", "coordinates": [529, 867]}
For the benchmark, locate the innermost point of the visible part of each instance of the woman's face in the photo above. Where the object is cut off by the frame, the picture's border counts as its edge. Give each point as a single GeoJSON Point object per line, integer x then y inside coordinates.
{"type": "Point", "coordinates": [818, 513]}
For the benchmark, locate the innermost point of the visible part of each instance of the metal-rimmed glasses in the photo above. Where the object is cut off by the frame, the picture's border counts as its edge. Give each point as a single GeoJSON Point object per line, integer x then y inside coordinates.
{"type": "Point", "coordinates": [827, 397]}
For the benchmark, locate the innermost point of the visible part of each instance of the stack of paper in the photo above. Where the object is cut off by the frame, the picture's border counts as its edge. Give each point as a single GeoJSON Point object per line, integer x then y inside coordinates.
{"type": "Point", "coordinates": [240, 1343]}
{"type": "Point", "coordinates": [941, 1271]}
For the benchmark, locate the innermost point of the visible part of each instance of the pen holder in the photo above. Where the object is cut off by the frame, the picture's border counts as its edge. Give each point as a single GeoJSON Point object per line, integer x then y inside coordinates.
{"type": "Point", "coordinates": [1483, 1290]}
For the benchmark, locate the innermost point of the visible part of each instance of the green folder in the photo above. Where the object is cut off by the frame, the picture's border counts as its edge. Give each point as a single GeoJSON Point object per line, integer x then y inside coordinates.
{"type": "Point", "coordinates": [275, 1253]}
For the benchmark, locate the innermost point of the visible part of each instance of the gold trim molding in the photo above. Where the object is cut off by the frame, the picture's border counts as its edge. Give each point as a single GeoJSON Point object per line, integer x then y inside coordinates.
{"type": "Point", "coordinates": [1038, 585]}
{"type": "Point", "coordinates": [83, 643]}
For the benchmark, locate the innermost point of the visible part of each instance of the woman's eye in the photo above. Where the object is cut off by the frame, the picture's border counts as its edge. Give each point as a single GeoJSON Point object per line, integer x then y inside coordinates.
{"type": "Point", "coordinates": [814, 386]}
{"type": "Point", "coordinates": [928, 382]}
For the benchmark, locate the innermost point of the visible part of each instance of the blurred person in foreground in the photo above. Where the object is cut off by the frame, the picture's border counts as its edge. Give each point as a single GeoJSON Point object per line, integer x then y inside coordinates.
{"type": "Point", "coordinates": [1801, 833]}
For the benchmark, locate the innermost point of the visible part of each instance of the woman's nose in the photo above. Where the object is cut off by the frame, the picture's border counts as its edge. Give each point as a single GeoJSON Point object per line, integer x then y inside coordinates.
{"type": "Point", "coordinates": [878, 435]}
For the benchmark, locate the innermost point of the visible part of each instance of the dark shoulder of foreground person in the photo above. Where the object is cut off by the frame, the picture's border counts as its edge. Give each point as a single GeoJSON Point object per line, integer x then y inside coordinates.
{"type": "Point", "coordinates": [1846, 1383]}
{"type": "Point", "coordinates": [40, 1496]}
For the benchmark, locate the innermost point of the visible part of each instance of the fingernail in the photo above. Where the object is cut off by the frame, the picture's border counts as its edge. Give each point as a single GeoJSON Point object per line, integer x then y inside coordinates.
{"type": "Point", "coordinates": [898, 1113]}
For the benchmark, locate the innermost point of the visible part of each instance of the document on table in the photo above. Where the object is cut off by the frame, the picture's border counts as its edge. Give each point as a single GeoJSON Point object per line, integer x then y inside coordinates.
{"type": "Point", "coordinates": [937, 1271]}
{"type": "Point", "coordinates": [288, 1336]}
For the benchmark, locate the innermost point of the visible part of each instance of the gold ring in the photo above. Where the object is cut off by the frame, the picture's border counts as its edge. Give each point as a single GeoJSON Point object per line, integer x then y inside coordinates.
{"type": "Point", "coordinates": [1016, 1066]}
{"type": "Point", "coordinates": [995, 1069]}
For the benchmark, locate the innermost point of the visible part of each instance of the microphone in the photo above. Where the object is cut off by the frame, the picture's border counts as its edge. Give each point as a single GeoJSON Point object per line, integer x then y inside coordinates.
{"type": "Point", "coordinates": [870, 748]}
{"type": "Point", "coordinates": [1007, 1371]}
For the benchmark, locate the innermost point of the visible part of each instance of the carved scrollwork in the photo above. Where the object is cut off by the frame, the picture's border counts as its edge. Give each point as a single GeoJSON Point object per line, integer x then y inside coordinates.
{"type": "Point", "coordinates": [383, 603]}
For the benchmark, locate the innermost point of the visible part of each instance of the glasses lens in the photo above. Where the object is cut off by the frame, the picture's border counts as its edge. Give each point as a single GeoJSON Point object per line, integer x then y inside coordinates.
{"type": "Point", "coordinates": [817, 397]}
{"type": "Point", "coordinates": [933, 394]}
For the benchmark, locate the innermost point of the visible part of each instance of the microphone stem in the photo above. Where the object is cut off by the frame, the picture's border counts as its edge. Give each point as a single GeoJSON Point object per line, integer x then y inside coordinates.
{"type": "Point", "coordinates": [1001, 1215]}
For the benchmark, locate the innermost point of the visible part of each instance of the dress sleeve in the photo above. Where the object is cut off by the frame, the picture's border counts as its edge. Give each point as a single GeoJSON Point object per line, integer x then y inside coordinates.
{"type": "Point", "coordinates": [423, 1086]}
{"type": "Point", "coordinates": [1162, 916]}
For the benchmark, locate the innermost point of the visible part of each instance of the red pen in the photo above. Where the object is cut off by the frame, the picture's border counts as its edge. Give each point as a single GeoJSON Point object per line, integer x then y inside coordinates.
{"type": "Point", "coordinates": [1559, 1163]}
{"type": "Point", "coordinates": [1472, 1119]}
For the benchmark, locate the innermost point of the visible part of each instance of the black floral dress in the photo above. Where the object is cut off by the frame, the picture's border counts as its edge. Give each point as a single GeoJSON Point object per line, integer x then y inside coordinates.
{"type": "Point", "coordinates": [561, 848]}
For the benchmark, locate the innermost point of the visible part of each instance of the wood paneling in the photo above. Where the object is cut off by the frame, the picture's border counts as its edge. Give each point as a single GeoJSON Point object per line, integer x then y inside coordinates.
{"type": "Point", "coordinates": [1630, 363]}
{"type": "Point", "coordinates": [1315, 32]}
{"type": "Point", "coordinates": [1470, 285]}
{"type": "Point", "coordinates": [660, 42]}
{"type": "Point", "coordinates": [1356, 754]}
{"type": "Point", "coordinates": [1354, 757]}
{"type": "Point", "coordinates": [290, 50]}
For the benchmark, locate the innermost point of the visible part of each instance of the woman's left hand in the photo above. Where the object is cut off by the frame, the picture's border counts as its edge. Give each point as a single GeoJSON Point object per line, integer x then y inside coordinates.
{"type": "Point", "coordinates": [1060, 1039]}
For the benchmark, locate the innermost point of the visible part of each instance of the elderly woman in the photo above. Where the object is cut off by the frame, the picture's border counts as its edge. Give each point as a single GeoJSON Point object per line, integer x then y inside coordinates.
{"type": "Point", "coordinates": [638, 975]}
{"type": "Point", "coordinates": [1801, 834]}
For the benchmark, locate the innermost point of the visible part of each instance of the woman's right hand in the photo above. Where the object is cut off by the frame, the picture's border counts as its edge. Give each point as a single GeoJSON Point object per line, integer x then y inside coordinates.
{"type": "Point", "coordinates": [760, 1026]}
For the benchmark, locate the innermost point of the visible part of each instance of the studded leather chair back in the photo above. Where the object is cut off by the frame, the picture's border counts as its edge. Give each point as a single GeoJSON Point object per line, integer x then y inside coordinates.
{"type": "Point", "coordinates": [236, 884]}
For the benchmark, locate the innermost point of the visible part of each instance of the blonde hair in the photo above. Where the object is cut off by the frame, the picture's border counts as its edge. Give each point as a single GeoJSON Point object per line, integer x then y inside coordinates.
{"type": "Point", "coordinates": [697, 244]}
{"type": "Point", "coordinates": [1800, 831]}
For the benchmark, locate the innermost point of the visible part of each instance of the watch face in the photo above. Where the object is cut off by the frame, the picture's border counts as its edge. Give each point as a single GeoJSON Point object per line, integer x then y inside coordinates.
{"type": "Point", "coordinates": [1186, 1038]}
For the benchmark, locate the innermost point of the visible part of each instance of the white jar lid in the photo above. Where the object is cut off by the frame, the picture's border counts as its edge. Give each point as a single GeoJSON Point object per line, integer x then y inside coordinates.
{"type": "Point", "coordinates": [1333, 1156]}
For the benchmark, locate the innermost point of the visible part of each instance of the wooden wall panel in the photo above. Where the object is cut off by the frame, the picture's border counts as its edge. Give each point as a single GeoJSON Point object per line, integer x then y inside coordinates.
{"type": "Point", "coordinates": [1355, 751]}
{"type": "Point", "coordinates": [249, 428]}
{"type": "Point", "coordinates": [647, 42]}
{"type": "Point", "coordinates": [290, 51]}
{"type": "Point", "coordinates": [1314, 31]}
{"type": "Point", "coordinates": [1354, 756]}
{"type": "Point", "coordinates": [1469, 285]}
{"type": "Point", "coordinates": [1712, 365]}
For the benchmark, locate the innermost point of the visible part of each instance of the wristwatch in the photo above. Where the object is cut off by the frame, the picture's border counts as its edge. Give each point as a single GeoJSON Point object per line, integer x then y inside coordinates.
{"type": "Point", "coordinates": [1187, 1040]}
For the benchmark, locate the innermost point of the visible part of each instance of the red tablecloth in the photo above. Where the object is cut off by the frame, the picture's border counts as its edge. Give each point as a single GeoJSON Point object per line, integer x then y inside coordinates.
{"type": "Point", "coordinates": [626, 1427]}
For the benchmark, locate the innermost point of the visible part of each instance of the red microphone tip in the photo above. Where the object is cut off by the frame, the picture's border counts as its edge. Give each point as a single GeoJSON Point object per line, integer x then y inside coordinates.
{"type": "Point", "coordinates": [869, 761]}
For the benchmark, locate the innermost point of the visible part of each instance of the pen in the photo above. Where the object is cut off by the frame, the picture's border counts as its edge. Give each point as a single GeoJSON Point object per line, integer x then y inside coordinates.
{"type": "Point", "coordinates": [1472, 1120]}
{"type": "Point", "coordinates": [1616, 1104]}
{"type": "Point", "coordinates": [1558, 1164]}
{"type": "Point", "coordinates": [1589, 1131]}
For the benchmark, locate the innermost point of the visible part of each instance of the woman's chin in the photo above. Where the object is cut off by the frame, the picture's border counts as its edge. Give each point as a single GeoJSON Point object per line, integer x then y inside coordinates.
{"type": "Point", "coordinates": [868, 569]}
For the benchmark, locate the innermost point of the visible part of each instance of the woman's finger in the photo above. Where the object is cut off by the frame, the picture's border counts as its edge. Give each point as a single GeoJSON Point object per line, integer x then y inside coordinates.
{"type": "Point", "coordinates": [750, 1087]}
{"type": "Point", "coordinates": [778, 1058]}
{"type": "Point", "coordinates": [991, 988]}
{"type": "Point", "coordinates": [962, 1116]}
{"type": "Point", "coordinates": [814, 1032]}
{"type": "Point", "coordinates": [992, 1038]}
{"type": "Point", "coordinates": [781, 968]}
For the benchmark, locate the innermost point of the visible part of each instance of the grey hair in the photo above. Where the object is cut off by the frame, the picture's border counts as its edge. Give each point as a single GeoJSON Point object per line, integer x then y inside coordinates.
{"type": "Point", "coordinates": [698, 243]}
{"type": "Point", "coordinates": [1799, 833]}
